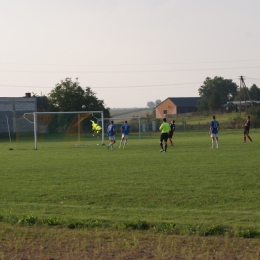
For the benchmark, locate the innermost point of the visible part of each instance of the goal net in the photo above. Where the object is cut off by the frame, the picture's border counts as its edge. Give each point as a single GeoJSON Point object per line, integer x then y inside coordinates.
{"type": "Point", "coordinates": [55, 129]}
{"type": "Point", "coordinates": [140, 127]}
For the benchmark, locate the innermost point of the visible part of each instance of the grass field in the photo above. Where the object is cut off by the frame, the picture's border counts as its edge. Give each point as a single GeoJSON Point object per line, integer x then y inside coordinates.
{"type": "Point", "coordinates": [190, 190]}
{"type": "Point", "coordinates": [130, 112]}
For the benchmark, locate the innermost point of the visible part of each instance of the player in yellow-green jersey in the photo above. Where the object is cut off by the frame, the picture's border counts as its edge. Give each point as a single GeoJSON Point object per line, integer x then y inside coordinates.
{"type": "Point", "coordinates": [165, 129]}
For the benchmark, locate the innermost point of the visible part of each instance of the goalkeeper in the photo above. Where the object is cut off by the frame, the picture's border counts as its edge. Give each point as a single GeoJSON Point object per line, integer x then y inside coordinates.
{"type": "Point", "coordinates": [95, 128]}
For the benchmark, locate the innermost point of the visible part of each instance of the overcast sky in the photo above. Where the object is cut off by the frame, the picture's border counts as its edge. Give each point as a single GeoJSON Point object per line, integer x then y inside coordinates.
{"type": "Point", "coordinates": [128, 51]}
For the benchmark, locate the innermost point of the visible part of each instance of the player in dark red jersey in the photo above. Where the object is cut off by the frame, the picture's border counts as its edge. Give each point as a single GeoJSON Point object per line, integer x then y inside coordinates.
{"type": "Point", "coordinates": [172, 126]}
{"type": "Point", "coordinates": [246, 129]}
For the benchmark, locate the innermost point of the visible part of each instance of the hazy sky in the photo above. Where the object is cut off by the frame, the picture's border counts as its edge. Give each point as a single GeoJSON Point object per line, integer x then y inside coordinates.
{"type": "Point", "coordinates": [128, 51]}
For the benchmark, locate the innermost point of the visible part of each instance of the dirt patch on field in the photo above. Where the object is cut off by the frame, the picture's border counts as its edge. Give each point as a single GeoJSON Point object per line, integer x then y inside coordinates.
{"type": "Point", "coordinates": [62, 243]}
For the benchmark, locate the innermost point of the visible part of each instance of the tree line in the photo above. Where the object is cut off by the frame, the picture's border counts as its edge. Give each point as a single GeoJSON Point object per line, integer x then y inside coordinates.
{"type": "Point", "coordinates": [218, 91]}
{"type": "Point", "coordinates": [68, 95]}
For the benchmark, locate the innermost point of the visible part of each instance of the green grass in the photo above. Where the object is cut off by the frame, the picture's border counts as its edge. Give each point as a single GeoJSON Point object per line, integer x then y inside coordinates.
{"type": "Point", "coordinates": [191, 188]}
{"type": "Point", "coordinates": [130, 112]}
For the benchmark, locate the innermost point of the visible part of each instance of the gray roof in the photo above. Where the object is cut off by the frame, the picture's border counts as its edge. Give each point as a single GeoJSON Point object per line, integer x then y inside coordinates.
{"type": "Point", "coordinates": [185, 101]}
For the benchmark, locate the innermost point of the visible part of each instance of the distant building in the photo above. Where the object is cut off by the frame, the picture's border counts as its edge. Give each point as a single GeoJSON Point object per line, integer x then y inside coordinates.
{"type": "Point", "coordinates": [231, 105]}
{"type": "Point", "coordinates": [174, 106]}
{"type": "Point", "coordinates": [13, 108]}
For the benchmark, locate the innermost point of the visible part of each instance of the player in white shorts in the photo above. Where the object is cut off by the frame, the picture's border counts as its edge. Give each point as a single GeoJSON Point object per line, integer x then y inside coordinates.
{"type": "Point", "coordinates": [213, 131]}
{"type": "Point", "coordinates": [125, 128]}
{"type": "Point", "coordinates": [111, 132]}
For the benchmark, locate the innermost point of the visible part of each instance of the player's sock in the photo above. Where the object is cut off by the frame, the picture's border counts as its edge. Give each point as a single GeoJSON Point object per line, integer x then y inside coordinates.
{"type": "Point", "coordinates": [165, 147]}
{"type": "Point", "coordinates": [217, 144]}
{"type": "Point", "coordinates": [171, 141]}
{"type": "Point", "coordinates": [249, 138]}
{"type": "Point", "coordinates": [161, 145]}
{"type": "Point", "coordinates": [125, 143]}
{"type": "Point", "coordinates": [244, 139]}
{"type": "Point", "coordinates": [120, 144]}
{"type": "Point", "coordinates": [212, 144]}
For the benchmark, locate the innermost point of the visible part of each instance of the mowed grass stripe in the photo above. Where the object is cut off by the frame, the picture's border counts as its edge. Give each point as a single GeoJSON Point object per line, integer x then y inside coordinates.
{"type": "Point", "coordinates": [132, 209]}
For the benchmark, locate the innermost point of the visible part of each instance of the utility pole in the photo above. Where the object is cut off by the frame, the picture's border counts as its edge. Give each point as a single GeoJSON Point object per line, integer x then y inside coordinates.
{"type": "Point", "coordinates": [243, 89]}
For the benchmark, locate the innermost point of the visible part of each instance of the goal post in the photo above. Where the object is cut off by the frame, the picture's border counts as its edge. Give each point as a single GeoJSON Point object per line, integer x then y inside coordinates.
{"type": "Point", "coordinates": [75, 125]}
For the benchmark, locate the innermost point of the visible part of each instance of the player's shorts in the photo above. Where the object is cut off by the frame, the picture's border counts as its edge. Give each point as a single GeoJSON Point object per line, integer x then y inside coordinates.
{"type": "Point", "coordinates": [170, 134]}
{"type": "Point", "coordinates": [112, 138]}
{"type": "Point", "coordinates": [124, 136]}
{"type": "Point", "coordinates": [246, 132]}
{"type": "Point", "coordinates": [214, 135]}
{"type": "Point", "coordinates": [164, 137]}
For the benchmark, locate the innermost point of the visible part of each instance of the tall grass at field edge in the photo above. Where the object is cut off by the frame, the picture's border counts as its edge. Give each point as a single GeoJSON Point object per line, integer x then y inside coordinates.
{"type": "Point", "coordinates": [170, 228]}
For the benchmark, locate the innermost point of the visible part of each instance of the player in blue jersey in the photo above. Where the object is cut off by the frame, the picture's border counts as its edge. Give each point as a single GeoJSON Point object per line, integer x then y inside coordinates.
{"type": "Point", "coordinates": [125, 128]}
{"type": "Point", "coordinates": [111, 132]}
{"type": "Point", "coordinates": [213, 131]}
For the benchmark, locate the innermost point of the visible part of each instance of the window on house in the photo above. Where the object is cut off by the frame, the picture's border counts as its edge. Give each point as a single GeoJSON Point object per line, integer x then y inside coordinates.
{"type": "Point", "coordinates": [165, 112]}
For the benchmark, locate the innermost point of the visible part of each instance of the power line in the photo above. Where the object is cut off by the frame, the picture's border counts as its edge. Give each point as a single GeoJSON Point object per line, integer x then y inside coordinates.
{"type": "Point", "coordinates": [109, 87]}
{"type": "Point", "coordinates": [133, 71]}
{"type": "Point", "coordinates": [117, 87]}
{"type": "Point", "coordinates": [253, 78]}
{"type": "Point", "coordinates": [253, 81]}
{"type": "Point", "coordinates": [130, 64]}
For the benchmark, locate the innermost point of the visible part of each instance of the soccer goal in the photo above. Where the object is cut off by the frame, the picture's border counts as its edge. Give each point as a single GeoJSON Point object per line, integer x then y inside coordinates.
{"type": "Point", "coordinates": [67, 127]}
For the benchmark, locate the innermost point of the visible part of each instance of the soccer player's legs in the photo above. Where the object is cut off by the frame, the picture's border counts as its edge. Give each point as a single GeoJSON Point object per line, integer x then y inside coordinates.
{"type": "Point", "coordinates": [122, 139]}
{"type": "Point", "coordinates": [112, 141]}
{"type": "Point", "coordinates": [165, 141]}
{"type": "Point", "coordinates": [217, 142]}
{"type": "Point", "coordinates": [246, 134]}
{"type": "Point", "coordinates": [214, 137]}
{"type": "Point", "coordinates": [125, 139]}
{"type": "Point", "coordinates": [170, 138]}
{"type": "Point", "coordinates": [161, 142]}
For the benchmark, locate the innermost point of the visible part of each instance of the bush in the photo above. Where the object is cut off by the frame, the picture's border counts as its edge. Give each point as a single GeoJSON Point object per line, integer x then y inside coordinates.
{"type": "Point", "coordinates": [31, 220]}
{"type": "Point", "coordinates": [139, 225]}
{"type": "Point", "coordinates": [254, 111]}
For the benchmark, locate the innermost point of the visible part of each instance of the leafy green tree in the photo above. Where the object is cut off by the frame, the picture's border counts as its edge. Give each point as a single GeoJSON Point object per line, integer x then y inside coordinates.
{"type": "Point", "coordinates": [203, 105]}
{"type": "Point", "coordinates": [70, 96]}
{"type": "Point", "coordinates": [157, 102]}
{"type": "Point", "coordinates": [214, 101]}
{"type": "Point", "coordinates": [241, 94]}
{"type": "Point", "coordinates": [225, 88]}
{"type": "Point", "coordinates": [254, 92]}
{"type": "Point", "coordinates": [150, 104]}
